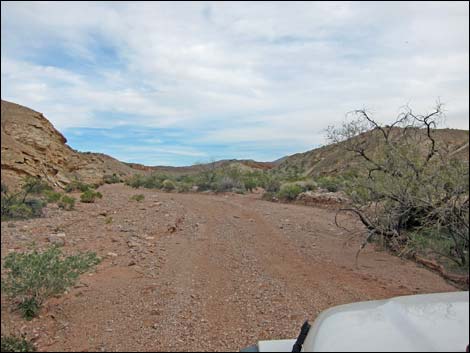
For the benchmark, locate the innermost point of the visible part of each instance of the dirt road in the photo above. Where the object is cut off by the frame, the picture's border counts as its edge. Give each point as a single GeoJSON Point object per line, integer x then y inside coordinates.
{"type": "Point", "coordinates": [193, 272]}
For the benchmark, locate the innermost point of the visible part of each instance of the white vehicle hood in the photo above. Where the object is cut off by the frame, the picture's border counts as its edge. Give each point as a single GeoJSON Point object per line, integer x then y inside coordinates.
{"type": "Point", "coordinates": [431, 322]}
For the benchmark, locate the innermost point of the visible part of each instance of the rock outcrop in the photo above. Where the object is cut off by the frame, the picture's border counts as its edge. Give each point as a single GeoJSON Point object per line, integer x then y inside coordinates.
{"type": "Point", "coordinates": [31, 146]}
{"type": "Point", "coordinates": [322, 198]}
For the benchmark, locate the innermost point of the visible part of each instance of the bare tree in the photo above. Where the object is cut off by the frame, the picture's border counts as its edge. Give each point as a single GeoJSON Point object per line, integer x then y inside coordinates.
{"type": "Point", "coordinates": [411, 186]}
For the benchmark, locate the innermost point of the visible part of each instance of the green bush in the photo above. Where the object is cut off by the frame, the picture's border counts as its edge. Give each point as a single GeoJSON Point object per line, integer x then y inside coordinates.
{"type": "Point", "coordinates": [272, 185]}
{"type": "Point", "coordinates": [52, 196]}
{"type": "Point", "coordinates": [36, 206]}
{"type": "Point", "coordinates": [19, 211]}
{"type": "Point", "coordinates": [90, 196]}
{"type": "Point", "coordinates": [154, 181]}
{"type": "Point", "coordinates": [250, 184]}
{"type": "Point", "coordinates": [66, 203]}
{"type": "Point", "coordinates": [308, 185]}
{"type": "Point", "coordinates": [16, 344]}
{"type": "Point", "coordinates": [35, 186]}
{"type": "Point", "coordinates": [332, 184]}
{"type": "Point", "coordinates": [111, 179]}
{"type": "Point", "coordinates": [289, 192]}
{"type": "Point", "coordinates": [169, 185]}
{"type": "Point", "coordinates": [138, 197]}
{"type": "Point", "coordinates": [18, 205]}
{"type": "Point", "coordinates": [183, 187]}
{"type": "Point", "coordinates": [227, 183]}
{"type": "Point", "coordinates": [135, 181]}
{"type": "Point", "coordinates": [78, 186]}
{"type": "Point", "coordinates": [29, 308]}
{"type": "Point", "coordinates": [35, 276]}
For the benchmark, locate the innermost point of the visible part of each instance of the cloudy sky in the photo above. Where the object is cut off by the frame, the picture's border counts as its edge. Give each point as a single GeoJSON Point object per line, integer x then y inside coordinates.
{"type": "Point", "coordinates": [178, 83]}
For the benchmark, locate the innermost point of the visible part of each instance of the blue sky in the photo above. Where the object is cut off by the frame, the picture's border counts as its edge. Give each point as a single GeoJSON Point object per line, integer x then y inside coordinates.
{"type": "Point", "coordinates": [179, 83]}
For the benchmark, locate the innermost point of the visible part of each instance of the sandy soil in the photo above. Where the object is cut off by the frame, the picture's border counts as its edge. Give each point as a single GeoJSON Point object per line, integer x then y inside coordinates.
{"type": "Point", "coordinates": [190, 272]}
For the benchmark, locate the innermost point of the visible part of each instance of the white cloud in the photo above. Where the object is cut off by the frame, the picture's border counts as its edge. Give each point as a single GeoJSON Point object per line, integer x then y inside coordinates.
{"type": "Point", "coordinates": [239, 71]}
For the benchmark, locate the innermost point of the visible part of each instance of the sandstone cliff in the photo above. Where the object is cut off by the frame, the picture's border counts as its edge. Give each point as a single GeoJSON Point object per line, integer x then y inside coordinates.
{"type": "Point", "coordinates": [31, 146]}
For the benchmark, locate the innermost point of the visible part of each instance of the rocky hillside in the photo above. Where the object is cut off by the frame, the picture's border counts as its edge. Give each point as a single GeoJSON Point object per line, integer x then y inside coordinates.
{"type": "Point", "coordinates": [332, 159]}
{"type": "Point", "coordinates": [197, 168]}
{"type": "Point", "coordinates": [31, 146]}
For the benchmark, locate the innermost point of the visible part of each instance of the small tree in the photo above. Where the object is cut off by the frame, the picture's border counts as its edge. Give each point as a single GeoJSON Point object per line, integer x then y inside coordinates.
{"type": "Point", "coordinates": [19, 204]}
{"type": "Point", "coordinates": [410, 184]}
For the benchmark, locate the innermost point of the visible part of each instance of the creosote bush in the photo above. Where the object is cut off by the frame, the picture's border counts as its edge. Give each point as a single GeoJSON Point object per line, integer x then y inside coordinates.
{"type": "Point", "coordinates": [16, 344]}
{"type": "Point", "coordinates": [289, 192]}
{"type": "Point", "coordinates": [168, 185]}
{"type": "Point", "coordinates": [111, 179]}
{"type": "Point", "coordinates": [330, 183]}
{"type": "Point", "coordinates": [25, 203]}
{"type": "Point", "coordinates": [90, 196]}
{"type": "Point", "coordinates": [138, 197]}
{"type": "Point", "coordinates": [66, 203]}
{"type": "Point", "coordinates": [78, 186]}
{"type": "Point", "coordinates": [33, 277]}
{"type": "Point", "coordinates": [52, 196]}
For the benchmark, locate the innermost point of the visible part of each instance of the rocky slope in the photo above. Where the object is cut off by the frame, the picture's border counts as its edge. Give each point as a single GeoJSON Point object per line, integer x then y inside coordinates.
{"type": "Point", "coordinates": [332, 159]}
{"type": "Point", "coordinates": [246, 164]}
{"type": "Point", "coordinates": [31, 146]}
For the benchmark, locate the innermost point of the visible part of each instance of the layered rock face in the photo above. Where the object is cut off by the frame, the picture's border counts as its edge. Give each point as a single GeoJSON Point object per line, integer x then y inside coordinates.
{"type": "Point", "coordinates": [31, 146]}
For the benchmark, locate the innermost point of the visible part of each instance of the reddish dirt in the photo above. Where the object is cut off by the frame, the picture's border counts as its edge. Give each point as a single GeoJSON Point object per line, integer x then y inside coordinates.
{"type": "Point", "coordinates": [202, 272]}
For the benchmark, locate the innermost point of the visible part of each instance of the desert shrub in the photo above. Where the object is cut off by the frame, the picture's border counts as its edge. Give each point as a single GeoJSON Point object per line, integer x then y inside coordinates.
{"type": "Point", "coordinates": [226, 183]}
{"type": "Point", "coordinates": [33, 277]}
{"type": "Point", "coordinates": [183, 187]}
{"type": "Point", "coordinates": [78, 186]}
{"type": "Point", "coordinates": [52, 196]}
{"type": "Point", "coordinates": [36, 206]}
{"type": "Point", "coordinates": [90, 196]}
{"type": "Point", "coordinates": [410, 192]}
{"type": "Point", "coordinates": [309, 185]}
{"type": "Point", "coordinates": [111, 179]}
{"type": "Point", "coordinates": [135, 181]}
{"type": "Point", "coordinates": [269, 196]}
{"type": "Point", "coordinates": [138, 197]}
{"type": "Point", "coordinates": [29, 308]}
{"type": "Point", "coordinates": [168, 185]}
{"type": "Point", "coordinates": [332, 184]}
{"type": "Point", "coordinates": [207, 177]}
{"type": "Point", "coordinates": [186, 179]}
{"type": "Point", "coordinates": [250, 184]}
{"type": "Point", "coordinates": [154, 181]}
{"type": "Point", "coordinates": [19, 205]}
{"type": "Point", "coordinates": [108, 220]}
{"type": "Point", "coordinates": [203, 183]}
{"type": "Point", "coordinates": [16, 344]}
{"type": "Point", "coordinates": [19, 211]}
{"type": "Point", "coordinates": [289, 192]}
{"type": "Point", "coordinates": [35, 186]}
{"type": "Point", "coordinates": [66, 203]}
{"type": "Point", "coordinates": [271, 184]}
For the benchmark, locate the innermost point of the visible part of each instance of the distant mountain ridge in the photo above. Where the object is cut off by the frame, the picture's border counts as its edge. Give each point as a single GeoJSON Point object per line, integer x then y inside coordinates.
{"type": "Point", "coordinates": [31, 146]}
